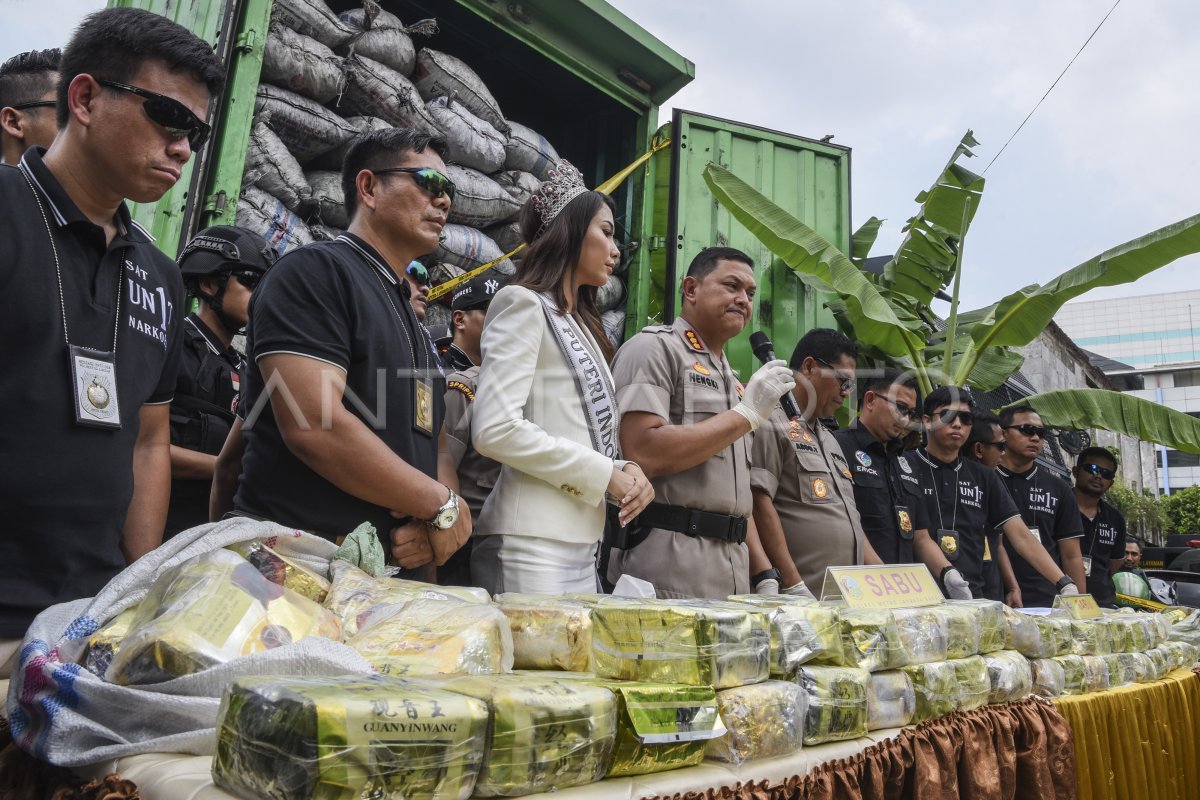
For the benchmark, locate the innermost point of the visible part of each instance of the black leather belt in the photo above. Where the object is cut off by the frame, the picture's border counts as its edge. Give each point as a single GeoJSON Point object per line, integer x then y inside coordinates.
{"type": "Point", "coordinates": [693, 522]}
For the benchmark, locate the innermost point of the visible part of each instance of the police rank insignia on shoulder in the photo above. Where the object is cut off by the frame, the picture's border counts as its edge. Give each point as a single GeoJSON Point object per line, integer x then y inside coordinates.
{"type": "Point", "coordinates": [461, 387]}
{"type": "Point", "coordinates": [741, 390]}
{"type": "Point", "coordinates": [693, 341]}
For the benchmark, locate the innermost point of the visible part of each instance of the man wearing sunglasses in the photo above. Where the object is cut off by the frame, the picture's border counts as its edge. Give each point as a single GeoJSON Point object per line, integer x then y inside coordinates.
{"type": "Point", "coordinates": [221, 266]}
{"type": "Point", "coordinates": [27, 92]}
{"type": "Point", "coordinates": [1047, 506]}
{"type": "Point", "coordinates": [966, 501]}
{"type": "Point", "coordinates": [96, 309]}
{"type": "Point", "coordinates": [986, 445]}
{"type": "Point", "coordinates": [1104, 539]}
{"type": "Point", "coordinates": [886, 489]}
{"type": "Point", "coordinates": [344, 398]}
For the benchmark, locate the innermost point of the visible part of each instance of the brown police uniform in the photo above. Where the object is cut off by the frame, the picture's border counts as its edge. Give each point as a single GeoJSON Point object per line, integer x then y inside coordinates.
{"type": "Point", "coordinates": [667, 370]}
{"type": "Point", "coordinates": [476, 474]}
{"type": "Point", "coordinates": [803, 470]}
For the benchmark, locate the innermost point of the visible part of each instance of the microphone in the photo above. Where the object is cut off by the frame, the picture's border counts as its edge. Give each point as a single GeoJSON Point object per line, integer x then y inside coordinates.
{"type": "Point", "coordinates": [764, 351]}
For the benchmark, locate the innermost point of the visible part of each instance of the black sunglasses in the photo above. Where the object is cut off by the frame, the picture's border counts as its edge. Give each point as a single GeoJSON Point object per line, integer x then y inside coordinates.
{"type": "Point", "coordinates": [847, 383]}
{"type": "Point", "coordinates": [171, 114]}
{"type": "Point", "coordinates": [948, 415]}
{"type": "Point", "coordinates": [1028, 430]}
{"type": "Point", "coordinates": [248, 278]}
{"type": "Point", "coordinates": [416, 270]}
{"type": "Point", "coordinates": [34, 104]}
{"type": "Point", "coordinates": [1096, 469]}
{"type": "Point", "coordinates": [1000, 446]}
{"type": "Point", "coordinates": [427, 178]}
{"type": "Point", "coordinates": [902, 411]}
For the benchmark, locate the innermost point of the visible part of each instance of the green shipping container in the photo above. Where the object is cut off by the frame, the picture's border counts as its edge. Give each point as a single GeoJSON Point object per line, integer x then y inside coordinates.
{"type": "Point", "coordinates": [591, 81]}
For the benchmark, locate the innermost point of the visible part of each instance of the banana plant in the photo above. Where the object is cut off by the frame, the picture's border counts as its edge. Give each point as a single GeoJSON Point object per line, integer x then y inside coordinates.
{"type": "Point", "coordinates": [1079, 409]}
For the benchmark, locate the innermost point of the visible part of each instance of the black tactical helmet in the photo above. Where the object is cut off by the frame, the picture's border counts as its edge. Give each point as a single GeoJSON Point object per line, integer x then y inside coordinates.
{"type": "Point", "coordinates": [224, 248]}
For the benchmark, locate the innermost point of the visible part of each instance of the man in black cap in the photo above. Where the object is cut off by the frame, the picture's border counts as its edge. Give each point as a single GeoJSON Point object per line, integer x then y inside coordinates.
{"type": "Point", "coordinates": [476, 474]}
{"type": "Point", "coordinates": [221, 266]}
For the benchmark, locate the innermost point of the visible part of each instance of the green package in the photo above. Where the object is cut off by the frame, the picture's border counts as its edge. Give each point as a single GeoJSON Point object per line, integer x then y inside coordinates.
{"type": "Point", "coordinates": [284, 571]}
{"type": "Point", "coordinates": [1037, 635]}
{"type": "Point", "coordinates": [1074, 680]}
{"type": "Point", "coordinates": [836, 700]}
{"type": "Point", "coordinates": [936, 688]}
{"type": "Point", "coordinates": [1090, 637]}
{"type": "Point", "coordinates": [763, 720]}
{"type": "Point", "coordinates": [871, 639]}
{"type": "Point", "coordinates": [1009, 676]}
{"type": "Point", "coordinates": [972, 681]}
{"type": "Point", "coordinates": [989, 620]}
{"type": "Point", "coordinates": [963, 631]}
{"type": "Point", "coordinates": [697, 642]}
{"type": "Point", "coordinates": [922, 633]}
{"type": "Point", "coordinates": [291, 738]}
{"type": "Point", "coordinates": [1095, 674]}
{"type": "Point", "coordinates": [802, 632]}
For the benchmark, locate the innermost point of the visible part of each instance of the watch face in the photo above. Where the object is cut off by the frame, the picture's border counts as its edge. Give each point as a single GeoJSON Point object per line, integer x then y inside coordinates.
{"type": "Point", "coordinates": [448, 515]}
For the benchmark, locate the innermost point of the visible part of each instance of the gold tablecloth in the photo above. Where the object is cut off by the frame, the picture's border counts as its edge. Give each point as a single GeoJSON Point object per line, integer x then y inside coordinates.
{"type": "Point", "coordinates": [1140, 741]}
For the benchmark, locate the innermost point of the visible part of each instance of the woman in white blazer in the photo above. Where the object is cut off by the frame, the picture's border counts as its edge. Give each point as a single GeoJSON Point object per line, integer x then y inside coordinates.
{"type": "Point", "coordinates": [545, 405]}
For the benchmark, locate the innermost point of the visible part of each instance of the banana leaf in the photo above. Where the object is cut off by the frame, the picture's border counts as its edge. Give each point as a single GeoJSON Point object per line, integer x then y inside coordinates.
{"type": "Point", "coordinates": [863, 240]}
{"type": "Point", "coordinates": [1079, 409]}
{"type": "Point", "coordinates": [1017, 319]}
{"type": "Point", "coordinates": [925, 262]}
{"type": "Point", "coordinates": [991, 370]}
{"type": "Point", "coordinates": [809, 254]}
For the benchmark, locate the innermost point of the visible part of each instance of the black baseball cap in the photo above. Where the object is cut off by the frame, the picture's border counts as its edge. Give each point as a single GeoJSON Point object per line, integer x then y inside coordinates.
{"type": "Point", "coordinates": [477, 292]}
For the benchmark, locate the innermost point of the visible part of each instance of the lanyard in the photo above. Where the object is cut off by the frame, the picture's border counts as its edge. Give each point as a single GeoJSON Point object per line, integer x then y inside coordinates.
{"type": "Point", "coordinates": [400, 318]}
{"type": "Point", "coordinates": [933, 482]}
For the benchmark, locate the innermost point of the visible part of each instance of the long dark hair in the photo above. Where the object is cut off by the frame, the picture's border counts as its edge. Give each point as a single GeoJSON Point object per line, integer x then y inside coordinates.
{"type": "Point", "coordinates": [554, 253]}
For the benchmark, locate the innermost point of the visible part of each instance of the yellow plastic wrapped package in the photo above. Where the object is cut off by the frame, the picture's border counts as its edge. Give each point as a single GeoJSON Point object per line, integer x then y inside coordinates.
{"type": "Point", "coordinates": [1038, 635]}
{"type": "Point", "coordinates": [278, 568]}
{"type": "Point", "coordinates": [989, 619]}
{"type": "Point", "coordinates": [1095, 674]}
{"type": "Point", "coordinates": [435, 637]}
{"type": "Point", "coordinates": [922, 634]}
{"type": "Point", "coordinates": [1009, 676]}
{"type": "Point", "coordinates": [972, 681]}
{"type": "Point", "coordinates": [963, 630]}
{"type": "Point", "coordinates": [762, 720]}
{"type": "Point", "coordinates": [871, 639]}
{"type": "Point", "coordinates": [549, 632]}
{"type": "Point", "coordinates": [103, 645]}
{"type": "Point", "coordinates": [891, 700]}
{"type": "Point", "coordinates": [802, 632]}
{"type": "Point", "coordinates": [353, 593]}
{"type": "Point", "coordinates": [704, 643]}
{"type": "Point", "coordinates": [209, 610]}
{"type": "Point", "coordinates": [936, 687]}
{"type": "Point", "coordinates": [295, 738]}
{"type": "Point", "coordinates": [1090, 637]}
{"type": "Point", "coordinates": [1049, 677]}
{"type": "Point", "coordinates": [544, 734]}
{"type": "Point", "coordinates": [836, 703]}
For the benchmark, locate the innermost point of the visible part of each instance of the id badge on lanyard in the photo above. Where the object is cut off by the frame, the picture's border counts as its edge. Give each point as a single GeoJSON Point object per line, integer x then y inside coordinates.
{"type": "Point", "coordinates": [1087, 566]}
{"type": "Point", "coordinates": [94, 381]}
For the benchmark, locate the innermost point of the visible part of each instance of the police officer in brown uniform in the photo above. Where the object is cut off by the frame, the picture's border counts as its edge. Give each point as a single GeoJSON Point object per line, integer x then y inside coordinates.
{"type": "Point", "coordinates": [803, 489]}
{"type": "Point", "coordinates": [685, 420]}
{"type": "Point", "coordinates": [476, 474]}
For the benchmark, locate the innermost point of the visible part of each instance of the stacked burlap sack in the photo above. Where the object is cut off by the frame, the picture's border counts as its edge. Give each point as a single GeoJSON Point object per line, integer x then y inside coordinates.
{"type": "Point", "coordinates": [327, 79]}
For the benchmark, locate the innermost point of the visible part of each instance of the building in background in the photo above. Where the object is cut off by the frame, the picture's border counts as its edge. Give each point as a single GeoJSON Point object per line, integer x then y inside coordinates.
{"type": "Point", "coordinates": [1148, 346]}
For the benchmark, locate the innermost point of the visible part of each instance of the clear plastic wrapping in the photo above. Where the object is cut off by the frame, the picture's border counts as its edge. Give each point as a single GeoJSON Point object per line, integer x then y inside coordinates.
{"type": "Point", "coordinates": [891, 700]}
{"type": "Point", "coordinates": [1095, 674]}
{"type": "Point", "coordinates": [711, 643]}
{"type": "Point", "coordinates": [871, 639]}
{"type": "Point", "coordinates": [1074, 681]}
{"type": "Point", "coordinates": [1090, 637]}
{"type": "Point", "coordinates": [1161, 660]}
{"type": "Point", "coordinates": [1183, 655]}
{"type": "Point", "coordinates": [962, 630]}
{"type": "Point", "coordinates": [1122, 669]}
{"type": "Point", "coordinates": [549, 632]}
{"type": "Point", "coordinates": [973, 683]}
{"type": "Point", "coordinates": [936, 689]}
{"type": "Point", "coordinates": [1133, 631]}
{"type": "Point", "coordinates": [208, 610]}
{"type": "Point", "coordinates": [922, 633]}
{"type": "Point", "coordinates": [293, 738]}
{"type": "Point", "coordinates": [802, 632]}
{"type": "Point", "coordinates": [1037, 635]}
{"type": "Point", "coordinates": [284, 571]}
{"type": "Point", "coordinates": [989, 619]}
{"type": "Point", "coordinates": [1143, 668]}
{"type": "Point", "coordinates": [103, 645]}
{"type": "Point", "coordinates": [1009, 676]}
{"type": "Point", "coordinates": [354, 592]}
{"type": "Point", "coordinates": [1183, 624]}
{"type": "Point", "coordinates": [544, 734]}
{"type": "Point", "coordinates": [435, 637]}
{"type": "Point", "coordinates": [1049, 678]}
{"type": "Point", "coordinates": [836, 703]}
{"type": "Point", "coordinates": [762, 720]}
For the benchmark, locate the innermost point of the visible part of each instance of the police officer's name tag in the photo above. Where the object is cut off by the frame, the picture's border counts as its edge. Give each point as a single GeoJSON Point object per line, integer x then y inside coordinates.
{"type": "Point", "coordinates": [94, 381]}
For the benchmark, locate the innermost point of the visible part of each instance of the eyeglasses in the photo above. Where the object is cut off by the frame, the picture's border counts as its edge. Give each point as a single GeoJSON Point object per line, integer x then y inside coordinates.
{"type": "Point", "coordinates": [846, 382]}
{"type": "Point", "coordinates": [416, 270]}
{"type": "Point", "coordinates": [948, 415]}
{"type": "Point", "coordinates": [427, 178]}
{"type": "Point", "coordinates": [1028, 430]}
{"type": "Point", "coordinates": [902, 411]}
{"type": "Point", "coordinates": [248, 278]}
{"type": "Point", "coordinates": [1000, 446]}
{"type": "Point", "coordinates": [34, 104]}
{"type": "Point", "coordinates": [171, 114]}
{"type": "Point", "coordinates": [1104, 472]}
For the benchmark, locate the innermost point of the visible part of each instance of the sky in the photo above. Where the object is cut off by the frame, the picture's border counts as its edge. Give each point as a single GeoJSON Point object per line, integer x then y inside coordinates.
{"type": "Point", "coordinates": [1109, 156]}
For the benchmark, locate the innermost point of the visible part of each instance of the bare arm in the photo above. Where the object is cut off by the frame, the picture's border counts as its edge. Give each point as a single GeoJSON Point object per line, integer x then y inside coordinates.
{"type": "Point", "coordinates": [758, 556]}
{"type": "Point", "coordinates": [925, 549]}
{"type": "Point", "coordinates": [1008, 578]}
{"type": "Point", "coordinates": [771, 539]}
{"type": "Point", "coordinates": [1072, 560]}
{"type": "Point", "coordinates": [191, 464]}
{"type": "Point", "coordinates": [665, 449]}
{"type": "Point", "coordinates": [147, 514]}
{"type": "Point", "coordinates": [1029, 547]}
{"type": "Point", "coordinates": [447, 463]}
{"type": "Point", "coordinates": [869, 554]}
{"type": "Point", "coordinates": [225, 473]}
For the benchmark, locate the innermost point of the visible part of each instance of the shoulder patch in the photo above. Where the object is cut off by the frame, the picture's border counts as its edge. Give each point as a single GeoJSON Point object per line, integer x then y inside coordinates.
{"type": "Point", "coordinates": [693, 340]}
{"type": "Point", "coordinates": [459, 386]}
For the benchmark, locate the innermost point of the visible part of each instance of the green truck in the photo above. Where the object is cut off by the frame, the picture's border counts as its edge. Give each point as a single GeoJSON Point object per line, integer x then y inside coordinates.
{"type": "Point", "coordinates": [592, 81]}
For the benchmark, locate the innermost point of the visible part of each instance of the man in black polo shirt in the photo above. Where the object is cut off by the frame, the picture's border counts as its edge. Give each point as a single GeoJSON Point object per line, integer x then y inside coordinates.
{"type": "Point", "coordinates": [1047, 507]}
{"type": "Point", "coordinates": [966, 501]}
{"type": "Point", "coordinates": [344, 400]}
{"type": "Point", "coordinates": [886, 490]}
{"type": "Point", "coordinates": [1103, 526]}
{"type": "Point", "coordinates": [986, 445]}
{"type": "Point", "coordinates": [92, 313]}
{"type": "Point", "coordinates": [27, 92]}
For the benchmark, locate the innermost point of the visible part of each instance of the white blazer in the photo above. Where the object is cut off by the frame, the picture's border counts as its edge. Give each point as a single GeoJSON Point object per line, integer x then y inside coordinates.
{"type": "Point", "coordinates": [528, 416]}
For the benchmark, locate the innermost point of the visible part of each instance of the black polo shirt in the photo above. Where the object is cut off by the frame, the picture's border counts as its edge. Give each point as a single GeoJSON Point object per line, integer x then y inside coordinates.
{"type": "Point", "coordinates": [336, 302]}
{"type": "Point", "coordinates": [966, 497]}
{"type": "Point", "coordinates": [1047, 504]}
{"type": "Point", "coordinates": [884, 479]}
{"type": "Point", "coordinates": [65, 489]}
{"type": "Point", "coordinates": [1103, 542]}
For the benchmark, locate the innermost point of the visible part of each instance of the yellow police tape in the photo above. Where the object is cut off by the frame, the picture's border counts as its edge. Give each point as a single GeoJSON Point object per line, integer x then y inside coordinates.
{"type": "Point", "coordinates": [605, 188]}
{"type": "Point", "coordinates": [1129, 601]}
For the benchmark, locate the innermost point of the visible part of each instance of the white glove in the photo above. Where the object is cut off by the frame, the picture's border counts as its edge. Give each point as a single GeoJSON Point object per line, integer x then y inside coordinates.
{"type": "Point", "coordinates": [1069, 590]}
{"type": "Point", "coordinates": [772, 381]}
{"type": "Point", "coordinates": [956, 585]}
{"type": "Point", "coordinates": [767, 586]}
{"type": "Point", "coordinates": [799, 590]}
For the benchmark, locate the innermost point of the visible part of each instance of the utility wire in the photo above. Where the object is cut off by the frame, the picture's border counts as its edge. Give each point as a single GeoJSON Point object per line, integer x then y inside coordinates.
{"type": "Point", "coordinates": [1051, 89]}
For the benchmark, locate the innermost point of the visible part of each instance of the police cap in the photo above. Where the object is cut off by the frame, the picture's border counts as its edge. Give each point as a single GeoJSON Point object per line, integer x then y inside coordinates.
{"type": "Point", "coordinates": [224, 248]}
{"type": "Point", "coordinates": [477, 292]}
